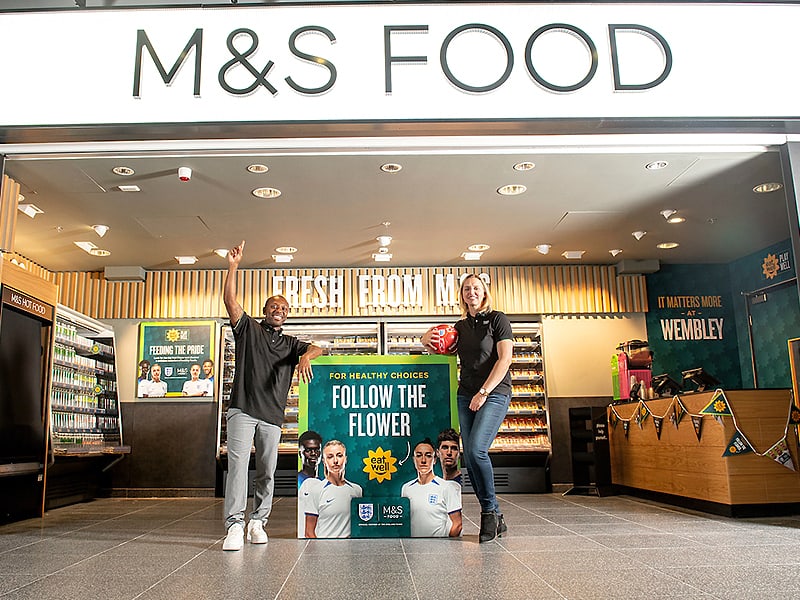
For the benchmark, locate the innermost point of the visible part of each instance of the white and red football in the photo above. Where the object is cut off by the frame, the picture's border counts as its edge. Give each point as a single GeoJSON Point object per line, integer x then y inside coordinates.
{"type": "Point", "coordinates": [448, 338]}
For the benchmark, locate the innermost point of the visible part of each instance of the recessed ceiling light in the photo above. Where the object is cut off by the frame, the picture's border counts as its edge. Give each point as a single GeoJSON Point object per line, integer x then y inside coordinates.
{"type": "Point", "coordinates": [478, 247]}
{"type": "Point", "coordinates": [86, 246]}
{"type": "Point", "coordinates": [123, 171]}
{"type": "Point", "coordinates": [266, 192]}
{"type": "Point", "coordinates": [384, 240]}
{"type": "Point", "coordinates": [524, 166]}
{"type": "Point", "coordinates": [765, 188]}
{"type": "Point", "coordinates": [391, 167]}
{"type": "Point", "coordinates": [471, 255]}
{"type": "Point", "coordinates": [20, 198]}
{"type": "Point", "coordinates": [639, 234]}
{"type": "Point", "coordinates": [282, 258]}
{"type": "Point", "coordinates": [129, 188]}
{"type": "Point", "coordinates": [99, 252]}
{"type": "Point", "coordinates": [381, 257]}
{"type": "Point", "coordinates": [615, 251]}
{"type": "Point", "coordinates": [257, 168]}
{"type": "Point", "coordinates": [221, 252]}
{"type": "Point", "coordinates": [668, 245]}
{"type": "Point", "coordinates": [543, 248]}
{"type": "Point", "coordinates": [186, 260]}
{"type": "Point", "coordinates": [100, 230]}
{"type": "Point", "coordinates": [656, 165]}
{"type": "Point", "coordinates": [675, 219]}
{"type": "Point", "coordinates": [30, 209]}
{"type": "Point", "coordinates": [512, 189]}
{"type": "Point", "coordinates": [286, 249]}
{"type": "Point", "coordinates": [573, 254]}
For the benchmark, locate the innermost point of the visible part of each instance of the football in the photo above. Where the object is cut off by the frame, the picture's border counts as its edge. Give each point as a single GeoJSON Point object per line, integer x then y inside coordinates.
{"type": "Point", "coordinates": [448, 338]}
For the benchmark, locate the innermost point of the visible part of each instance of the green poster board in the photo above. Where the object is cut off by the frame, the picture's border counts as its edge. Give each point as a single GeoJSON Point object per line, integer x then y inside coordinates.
{"type": "Point", "coordinates": [379, 407]}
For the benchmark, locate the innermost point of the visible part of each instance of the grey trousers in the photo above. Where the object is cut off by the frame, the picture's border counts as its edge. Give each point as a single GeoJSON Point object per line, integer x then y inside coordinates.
{"type": "Point", "coordinates": [243, 432]}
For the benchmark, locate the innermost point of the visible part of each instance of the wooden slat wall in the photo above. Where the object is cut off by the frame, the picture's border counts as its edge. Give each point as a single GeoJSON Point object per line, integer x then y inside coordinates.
{"type": "Point", "coordinates": [582, 289]}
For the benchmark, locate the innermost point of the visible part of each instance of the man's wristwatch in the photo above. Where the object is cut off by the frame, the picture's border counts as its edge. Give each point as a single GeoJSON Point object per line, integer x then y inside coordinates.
{"type": "Point", "coordinates": [483, 392]}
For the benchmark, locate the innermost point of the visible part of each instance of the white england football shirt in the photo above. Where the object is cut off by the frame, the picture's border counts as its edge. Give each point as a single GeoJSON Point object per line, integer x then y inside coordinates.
{"type": "Point", "coordinates": [431, 506]}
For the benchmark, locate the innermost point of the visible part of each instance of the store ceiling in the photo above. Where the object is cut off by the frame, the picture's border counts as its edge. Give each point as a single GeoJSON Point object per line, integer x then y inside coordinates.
{"type": "Point", "coordinates": [334, 200]}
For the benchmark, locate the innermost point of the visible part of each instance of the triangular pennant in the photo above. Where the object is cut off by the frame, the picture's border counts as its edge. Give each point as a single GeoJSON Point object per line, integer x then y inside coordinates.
{"type": "Point", "coordinates": [658, 421]}
{"type": "Point", "coordinates": [697, 422]}
{"type": "Point", "coordinates": [794, 414]}
{"type": "Point", "coordinates": [642, 413]}
{"type": "Point", "coordinates": [738, 445]}
{"type": "Point", "coordinates": [718, 419]}
{"type": "Point", "coordinates": [780, 454]}
{"type": "Point", "coordinates": [614, 419]}
{"type": "Point", "coordinates": [718, 405]}
{"type": "Point", "coordinates": [626, 425]}
{"type": "Point", "coordinates": [680, 410]}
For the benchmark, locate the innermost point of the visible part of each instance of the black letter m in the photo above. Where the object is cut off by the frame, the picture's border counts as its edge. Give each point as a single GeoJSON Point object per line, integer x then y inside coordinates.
{"type": "Point", "coordinates": [142, 41]}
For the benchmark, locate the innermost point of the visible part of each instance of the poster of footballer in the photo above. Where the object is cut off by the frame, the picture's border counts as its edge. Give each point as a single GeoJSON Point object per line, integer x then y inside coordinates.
{"type": "Point", "coordinates": [370, 432]}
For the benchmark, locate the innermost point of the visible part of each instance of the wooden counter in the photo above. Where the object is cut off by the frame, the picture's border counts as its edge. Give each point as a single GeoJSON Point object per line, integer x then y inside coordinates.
{"type": "Point", "coordinates": [681, 469]}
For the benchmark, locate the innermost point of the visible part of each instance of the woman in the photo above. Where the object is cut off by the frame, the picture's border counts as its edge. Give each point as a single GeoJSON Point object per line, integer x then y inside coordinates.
{"type": "Point", "coordinates": [485, 346]}
{"type": "Point", "coordinates": [326, 502]}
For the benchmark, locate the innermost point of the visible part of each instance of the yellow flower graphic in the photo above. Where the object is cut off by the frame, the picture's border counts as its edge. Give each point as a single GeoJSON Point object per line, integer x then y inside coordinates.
{"type": "Point", "coordinates": [733, 449]}
{"type": "Point", "coordinates": [380, 464]}
{"type": "Point", "coordinates": [173, 335]}
{"type": "Point", "coordinates": [770, 266]}
{"type": "Point", "coordinates": [720, 406]}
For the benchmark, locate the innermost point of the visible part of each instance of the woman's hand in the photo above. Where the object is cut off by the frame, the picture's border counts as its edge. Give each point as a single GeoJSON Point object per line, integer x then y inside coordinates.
{"type": "Point", "coordinates": [430, 339]}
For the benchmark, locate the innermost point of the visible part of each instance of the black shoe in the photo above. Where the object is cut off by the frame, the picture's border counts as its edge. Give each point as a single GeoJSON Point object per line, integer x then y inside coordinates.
{"type": "Point", "coordinates": [501, 525]}
{"type": "Point", "coordinates": [488, 527]}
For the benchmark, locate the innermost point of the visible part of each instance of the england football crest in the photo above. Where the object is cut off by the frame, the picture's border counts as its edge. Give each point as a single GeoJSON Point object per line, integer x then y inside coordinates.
{"type": "Point", "coordinates": [168, 371]}
{"type": "Point", "coordinates": [365, 511]}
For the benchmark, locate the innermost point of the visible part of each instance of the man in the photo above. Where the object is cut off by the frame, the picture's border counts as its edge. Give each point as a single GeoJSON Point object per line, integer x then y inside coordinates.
{"type": "Point", "coordinates": [144, 368]}
{"type": "Point", "coordinates": [208, 371]}
{"type": "Point", "coordinates": [265, 362]}
{"type": "Point", "coordinates": [310, 446]}
{"type": "Point", "coordinates": [449, 454]}
{"type": "Point", "coordinates": [155, 388]}
{"type": "Point", "coordinates": [435, 503]}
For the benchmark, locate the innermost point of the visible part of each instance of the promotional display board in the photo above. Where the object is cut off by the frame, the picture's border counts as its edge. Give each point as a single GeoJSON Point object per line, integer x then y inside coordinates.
{"type": "Point", "coordinates": [176, 359]}
{"type": "Point", "coordinates": [379, 409]}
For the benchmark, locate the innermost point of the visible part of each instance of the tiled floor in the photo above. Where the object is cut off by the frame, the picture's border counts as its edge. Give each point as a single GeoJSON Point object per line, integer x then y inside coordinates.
{"type": "Point", "coordinates": [557, 547]}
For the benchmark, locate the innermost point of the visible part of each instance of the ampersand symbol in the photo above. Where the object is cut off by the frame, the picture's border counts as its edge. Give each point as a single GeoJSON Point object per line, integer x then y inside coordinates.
{"type": "Point", "coordinates": [259, 77]}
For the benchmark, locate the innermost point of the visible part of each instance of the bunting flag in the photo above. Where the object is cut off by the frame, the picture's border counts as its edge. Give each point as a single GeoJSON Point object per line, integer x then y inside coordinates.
{"type": "Point", "coordinates": [718, 406]}
{"type": "Point", "coordinates": [780, 454]}
{"type": "Point", "coordinates": [642, 413]}
{"type": "Point", "coordinates": [680, 410]}
{"type": "Point", "coordinates": [613, 419]}
{"type": "Point", "coordinates": [626, 425]}
{"type": "Point", "coordinates": [794, 414]}
{"type": "Point", "coordinates": [738, 445]}
{"type": "Point", "coordinates": [697, 421]}
{"type": "Point", "coordinates": [657, 421]}
{"type": "Point", "coordinates": [718, 419]}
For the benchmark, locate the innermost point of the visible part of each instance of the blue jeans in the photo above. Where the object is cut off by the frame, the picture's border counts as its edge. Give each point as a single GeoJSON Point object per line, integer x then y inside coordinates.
{"type": "Point", "coordinates": [478, 430]}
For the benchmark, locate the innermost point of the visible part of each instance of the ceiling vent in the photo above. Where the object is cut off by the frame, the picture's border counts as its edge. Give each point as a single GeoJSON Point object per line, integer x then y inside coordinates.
{"type": "Point", "coordinates": [124, 274]}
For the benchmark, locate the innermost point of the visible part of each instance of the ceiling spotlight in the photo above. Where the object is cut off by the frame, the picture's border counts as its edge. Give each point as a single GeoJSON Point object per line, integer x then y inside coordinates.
{"type": "Point", "coordinates": [543, 248]}
{"type": "Point", "coordinates": [668, 212]}
{"type": "Point", "coordinates": [391, 167]}
{"type": "Point", "coordinates": [656, 165]}
{"type": "Point", "coordinates": [478, 247]}
{"type": "Point", "coordinates": [257, 168]}
{"type": "Point", "coordinates": [384, 240]}
{"type": "Point", "coordinates": [282, 258]}
{"type": "Point", "coordinates": [573, 254]}
{"type": "Point", "coordinates": [286, 249]}
{"type": "Point", "coordinates": [471, 255]}
{"type": "Point", "coordinates": [382, 256]}
{"type": "Point", "coordinates": [524, 166]}
{"type": "Point", "coordinates": [123, 171]}
{"type": "Point", "coordinates": [100, 230]}
{"type": "Point", "coordinates": [667, 245]}
{"type": "Point", "coordinates": [30, 209]}
{"type": "Point", "coordinates": [186, 260]}
{"type": "Point", "coordinates": [99, 252]}
{"type": "Point", "coordinates": [129, 188]}
{"type": "Point", "coordinates": [266, 192]}
{"type": "Point", "coordinates": [221, 252]}
{"type": "Point", "coordinates": [512, 189]}
{"type": "Point", "coordinates": [615, 251]}
{"type": "Point", "coordinates": [20, 198]}
{"type": "Point", "coordinates": [184, 173]}
{"type": "Point", "coordinates": [639, 234]}
{"type": "Point", "coordinates": [765, 188]}
{"type": "Point", "coordinates": [86, 246]}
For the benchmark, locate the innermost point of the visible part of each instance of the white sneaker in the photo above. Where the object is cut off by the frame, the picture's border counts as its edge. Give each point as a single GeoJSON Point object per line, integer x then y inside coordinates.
{"type": "Point", "coordinates": [256, 533]}
{"type": "Point", "coordinates": [235, 538]}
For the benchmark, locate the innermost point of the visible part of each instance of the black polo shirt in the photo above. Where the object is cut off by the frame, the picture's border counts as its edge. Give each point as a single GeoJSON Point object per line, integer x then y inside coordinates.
{"type": "Point", "coordinates": [265, 362]}
{"type": "Point", "coordinates": [477, 350]}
